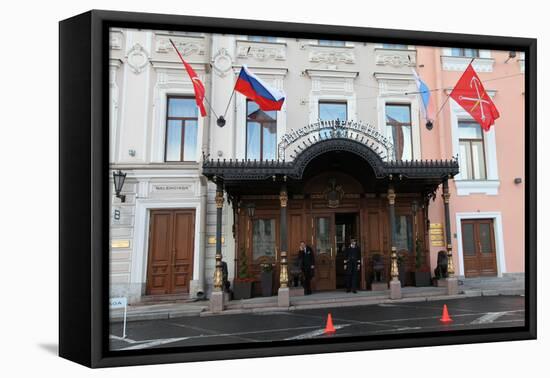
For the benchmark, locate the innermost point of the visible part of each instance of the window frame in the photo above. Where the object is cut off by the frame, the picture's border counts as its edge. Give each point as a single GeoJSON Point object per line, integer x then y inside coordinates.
{"type": "Point", "coordinates": [328, 101]}
{"type": "Point", "coordinates": [331, 43]}
{"type": "Point", "coordinates": [261, 38]}
{"type": "Point", "coordinates": [463, 55]}
{"type": "Point", "coordinates": [470, 140]}
{"type": "Point", "coordinates": [410, 124]}
{"type": "Point", "coordinates": [182, 125]}
{"type": "Point", "coordinates": [261, 133]}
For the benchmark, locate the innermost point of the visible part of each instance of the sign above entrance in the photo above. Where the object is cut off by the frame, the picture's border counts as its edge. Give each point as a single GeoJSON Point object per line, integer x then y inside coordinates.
{"type": "Point", "coordinates": [298, 140]}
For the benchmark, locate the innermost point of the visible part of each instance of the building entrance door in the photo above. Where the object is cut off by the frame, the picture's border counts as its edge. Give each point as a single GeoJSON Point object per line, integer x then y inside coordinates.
{"type": "Point", "coordinates": [171, 246]}
{"type": "Point", "coordinates": [346, 227]}
{"type": "Point", "coordinates": [331, 235]}
{"type": "Point", "coordinates": [478, 245]}
{"type": "Point", "coordinates": [324, 249]}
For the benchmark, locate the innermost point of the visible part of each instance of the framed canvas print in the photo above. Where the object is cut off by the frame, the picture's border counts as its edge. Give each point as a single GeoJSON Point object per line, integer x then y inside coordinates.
{"type": "Point", "coordinates": [234, 188]}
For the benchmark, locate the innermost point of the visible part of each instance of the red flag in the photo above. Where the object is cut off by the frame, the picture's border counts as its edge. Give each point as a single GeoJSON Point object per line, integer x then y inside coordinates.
{"type": "Point", "coordinates": [470, 94]}
{"type": "Point", "coordinates": [198, 86]}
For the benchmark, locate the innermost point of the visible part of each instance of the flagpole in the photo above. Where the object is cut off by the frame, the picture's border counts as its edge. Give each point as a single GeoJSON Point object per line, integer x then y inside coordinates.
{"type": "Point", "coordinates": [442, 105]}
{"type": "Point", "coordinates": [181, 58]}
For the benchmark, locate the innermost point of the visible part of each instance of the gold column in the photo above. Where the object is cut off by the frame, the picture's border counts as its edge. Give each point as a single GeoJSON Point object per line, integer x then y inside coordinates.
{"type": "Point", "coordinates": [283, 274]}
{"type": "Point", "coordinates": [394, 270]}
{"type": "Point", "coordinates": [446, 197]}
{"type": "Point", "coordinates": [218, 273]}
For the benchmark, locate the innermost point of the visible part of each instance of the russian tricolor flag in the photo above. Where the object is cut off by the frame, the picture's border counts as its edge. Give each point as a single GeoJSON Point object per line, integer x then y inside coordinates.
{"type": "Point", "coordinates": [267, 98]}
{"type": "Point", "coordinates": [424, 92]}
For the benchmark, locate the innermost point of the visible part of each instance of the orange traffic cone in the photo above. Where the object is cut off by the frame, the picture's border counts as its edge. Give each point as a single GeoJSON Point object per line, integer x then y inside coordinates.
{"type": "Point", "coordinates": [330, 327]}
{"type": "Point", "coordinates": [445, 318]}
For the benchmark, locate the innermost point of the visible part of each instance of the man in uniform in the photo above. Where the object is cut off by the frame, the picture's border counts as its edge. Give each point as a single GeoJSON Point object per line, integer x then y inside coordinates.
{"type": "Point", "coordinates": [307, 262]}
{"type": "Point", "coordinates": [352, 266]}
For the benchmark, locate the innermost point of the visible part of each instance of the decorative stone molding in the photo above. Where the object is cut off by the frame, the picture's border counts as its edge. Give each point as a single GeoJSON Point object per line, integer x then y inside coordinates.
{"type": "Point", "coordinates": [115, 39]}
{"type": "Point", "coordinates": [137, 58]}
{"type": "Point", "coordinates": [332, 55]}
{"type": "Point", "coordinates": [521, 62]}
{"type": "Point", "coordinates": [186, 45]}
{"type": "Point", "coordinates": [395, 57]}
{"type": "Point", "coordinates": [222, 62]}
{"type": "Point", "coordinates": [459, 63]}
{"type": "Point", "coordinates": [467, 187]}
{"type": "Point", "coordinates": [261, 51]}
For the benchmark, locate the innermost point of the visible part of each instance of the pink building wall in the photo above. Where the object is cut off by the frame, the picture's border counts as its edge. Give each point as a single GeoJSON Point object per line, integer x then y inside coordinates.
{"type": "Point", "coordinates": [507, 81]}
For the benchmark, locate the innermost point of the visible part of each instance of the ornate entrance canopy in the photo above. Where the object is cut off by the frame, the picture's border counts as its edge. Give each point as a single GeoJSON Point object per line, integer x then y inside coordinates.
{"type": "Point", "coordinates": [252, 176]}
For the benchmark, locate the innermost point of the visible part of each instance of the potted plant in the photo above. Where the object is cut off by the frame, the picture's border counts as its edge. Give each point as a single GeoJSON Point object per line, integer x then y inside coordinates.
{"type": "Point", "coordinates": [401, 266]}
{"type": "Point", "coordinates": [242, 285]}
{"type": "Point", "coordinates": [422, 274]}
{"type": "Point", "coordinates": [266, 278]}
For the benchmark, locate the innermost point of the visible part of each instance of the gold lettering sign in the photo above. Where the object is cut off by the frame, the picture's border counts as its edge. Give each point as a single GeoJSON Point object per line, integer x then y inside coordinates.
{"type": "Point", "coordinates": [212, 240]}
{"type": "Point", "coordinates": [436, 231]}
{"type": "Point", "coordinates": [120, 243]}
{"type": "Point", "coordinates": [436, 237]}
{"type": "Point", "coordinates": [436, 225]}
{"type": "Point", "coordinates": [437, 243]}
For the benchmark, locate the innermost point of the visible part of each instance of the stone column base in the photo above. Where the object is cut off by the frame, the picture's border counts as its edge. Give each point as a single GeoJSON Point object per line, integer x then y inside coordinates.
{"type": "Point", "coordinates": [395, 290]}
{"type": "Point", "coordinates": [379, 286]}
{"type": "Point", "coordinates": [452, 286]}
{"type": "Point", "coordinates": [296, 291]}
{"type": "Point", "coordinates": [216, 301]}
{"type": "Point", "coordinates": [283, 297]}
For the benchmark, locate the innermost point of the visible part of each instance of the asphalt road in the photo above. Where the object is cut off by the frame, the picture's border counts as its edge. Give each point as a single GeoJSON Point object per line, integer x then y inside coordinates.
{"type": "Point", "coordinates": [467, 313]}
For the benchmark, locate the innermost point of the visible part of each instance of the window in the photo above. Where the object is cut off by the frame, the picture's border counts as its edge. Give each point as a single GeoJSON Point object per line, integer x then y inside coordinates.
{"type": "Point", "coordinates": [261, 133]}
{"type": "Point", "coordinates": [181, 129]}
{"type": "Point", "coordinates": [263, 238]}
{"type": "Point", "coordinates": [394, 46]}
{"type": "Point", "coordinates": [398, 123]}
{"type": "Point", "coordinates": [322, 235]}
{"type": "Point", "coordinates": [326, 42]}
{"type": "Point", "coordinates": [261, 38]}
{"type": "Point", "coordinates": [331, 110]}
{"type": "Point", "coordinates": [471, 151]}
{"type": "Point", "coordinates": [469, 53]}
{"type": "Point", "coordinates": [404, 233]}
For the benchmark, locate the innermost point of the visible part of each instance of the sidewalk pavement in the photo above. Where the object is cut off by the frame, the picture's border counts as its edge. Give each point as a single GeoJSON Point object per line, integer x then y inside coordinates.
{"type": "Point", "coordinates": [471, 287]}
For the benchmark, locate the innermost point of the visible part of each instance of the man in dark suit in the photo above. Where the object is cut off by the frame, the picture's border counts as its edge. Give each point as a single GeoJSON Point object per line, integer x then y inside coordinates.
{"type": "Point", "coordinates": [352, 266]}
{"type": "Point", "coordinates": [307, 262]}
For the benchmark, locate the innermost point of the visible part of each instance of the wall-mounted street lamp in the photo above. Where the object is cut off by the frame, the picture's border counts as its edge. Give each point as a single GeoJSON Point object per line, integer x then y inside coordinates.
{"type": "Point", "coordinates": [414, 207]}
{"type": "Point", "coordinates": [119, 178]}
{"type": "Point", "coordinates": [251, 209]}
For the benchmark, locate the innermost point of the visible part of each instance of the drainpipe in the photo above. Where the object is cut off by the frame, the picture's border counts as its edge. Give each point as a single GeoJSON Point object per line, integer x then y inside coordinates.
{"type": "Point", "coordinates": [201, 292]}
{"type": "Point", "coordinates": [201, 289]}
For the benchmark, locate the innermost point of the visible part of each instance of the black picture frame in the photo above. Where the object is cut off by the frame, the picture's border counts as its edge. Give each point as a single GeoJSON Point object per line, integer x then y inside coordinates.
{"type": "Point", "coordinates": [83, 182]}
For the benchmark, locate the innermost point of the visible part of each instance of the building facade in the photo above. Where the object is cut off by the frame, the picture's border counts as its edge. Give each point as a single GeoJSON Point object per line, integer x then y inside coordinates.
{"type": "Point", "coordinates": [349, 140]}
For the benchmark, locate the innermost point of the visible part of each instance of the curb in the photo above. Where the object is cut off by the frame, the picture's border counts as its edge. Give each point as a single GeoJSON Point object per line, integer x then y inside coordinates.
{"type": "Point", "coordinates": [271, 307]}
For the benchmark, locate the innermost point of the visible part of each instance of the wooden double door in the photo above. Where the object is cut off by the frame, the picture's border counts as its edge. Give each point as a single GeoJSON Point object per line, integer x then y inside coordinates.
{"type": "Point", "coordinates": [171, 247]}
{"type": "Point", "coordinates": [331, 234]}
{"type": "Point", "coordinates": [478, 247]}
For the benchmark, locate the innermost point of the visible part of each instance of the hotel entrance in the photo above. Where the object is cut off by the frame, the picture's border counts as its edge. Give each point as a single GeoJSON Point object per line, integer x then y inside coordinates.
{"type": "Point", "coordinates": [332, 234]}
{"type": "Point", "coordinates": [339, 184]}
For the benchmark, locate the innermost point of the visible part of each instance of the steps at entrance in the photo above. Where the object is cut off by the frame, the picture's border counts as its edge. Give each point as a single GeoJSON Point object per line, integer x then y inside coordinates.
{"type": "Point", "coordinates": [167, 298]}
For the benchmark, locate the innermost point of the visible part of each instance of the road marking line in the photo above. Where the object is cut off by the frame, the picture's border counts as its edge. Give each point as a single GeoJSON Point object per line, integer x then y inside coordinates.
{"type": "Point", "coordinates": [129, 341]}
{"type": "Point", "coordinates": [317, 332]}
{"type": "Point", "coordinates": [489, 317]}
{"type": "Point", "coordinates": [154, 343]}
{"type": "Point", "coordinates": [439, 326]}
{"type": "Point", "coordinates": [436, 317]}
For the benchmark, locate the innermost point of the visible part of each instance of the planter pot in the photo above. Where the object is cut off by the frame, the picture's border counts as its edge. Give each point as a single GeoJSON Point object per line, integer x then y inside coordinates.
{"type": "Point", "coordinates": [266, 279]}
{"type": "Point", "coordinates": [242, 290]}
{"type": "Point", "coordinates": [422, 279]}
{"type": "Point", "coordinates": [402, 276]}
